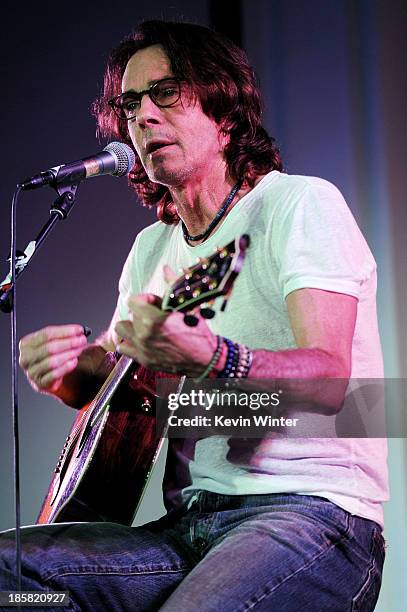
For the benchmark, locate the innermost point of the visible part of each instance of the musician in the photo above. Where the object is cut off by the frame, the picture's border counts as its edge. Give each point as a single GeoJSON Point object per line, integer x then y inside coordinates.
{"type": "Point", "coordinates": [266, 524]}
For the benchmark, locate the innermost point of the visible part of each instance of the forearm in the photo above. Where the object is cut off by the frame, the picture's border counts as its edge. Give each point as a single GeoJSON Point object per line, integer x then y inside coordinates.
{"type": "Point", "coordinates": [306, 375]}
{"type": "Point", "coordinates": [302, 363]}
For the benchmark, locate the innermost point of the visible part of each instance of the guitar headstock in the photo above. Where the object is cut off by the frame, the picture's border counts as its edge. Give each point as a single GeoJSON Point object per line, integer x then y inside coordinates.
{"type": "Point", "coordinates": [210, 278]}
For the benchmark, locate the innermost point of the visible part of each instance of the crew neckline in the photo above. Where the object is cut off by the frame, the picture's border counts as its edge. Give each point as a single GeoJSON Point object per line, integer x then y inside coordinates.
{"type": "Point", "coordinates": [264, 181]}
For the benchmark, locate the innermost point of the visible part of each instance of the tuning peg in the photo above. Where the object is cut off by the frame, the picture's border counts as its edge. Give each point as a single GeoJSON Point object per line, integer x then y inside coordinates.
{"type": "Point", "coordinates": [222, 252]}
{"type": "Point", "coordinates": [207, 313]}
{"type": "Point", "coordinates": [191, 320]}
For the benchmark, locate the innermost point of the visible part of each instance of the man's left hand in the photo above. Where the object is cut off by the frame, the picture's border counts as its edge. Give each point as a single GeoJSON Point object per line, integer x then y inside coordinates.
{"type": "Point", "coordinates": [162, 341]}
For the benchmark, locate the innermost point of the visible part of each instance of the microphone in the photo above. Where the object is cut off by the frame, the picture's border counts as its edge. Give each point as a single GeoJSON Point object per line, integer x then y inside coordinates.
{"type": "Point", "coordinates": [116, 158]}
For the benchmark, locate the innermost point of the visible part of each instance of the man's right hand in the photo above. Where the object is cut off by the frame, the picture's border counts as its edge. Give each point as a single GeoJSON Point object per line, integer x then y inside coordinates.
{"type": "Point", "coordinates": [51, 353]}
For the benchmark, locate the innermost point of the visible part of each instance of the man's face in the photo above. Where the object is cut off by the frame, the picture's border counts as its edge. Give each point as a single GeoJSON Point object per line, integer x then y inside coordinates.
{"type": "Point", "coordinates": [193, 145]}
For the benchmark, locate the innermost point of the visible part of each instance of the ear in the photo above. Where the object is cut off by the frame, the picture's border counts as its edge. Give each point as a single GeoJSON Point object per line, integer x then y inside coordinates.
{"type": "Point", "coordinates": [223, 135]}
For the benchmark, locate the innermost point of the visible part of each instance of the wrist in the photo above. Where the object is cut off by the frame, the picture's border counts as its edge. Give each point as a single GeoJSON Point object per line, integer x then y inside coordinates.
{"type": "Point", "coordinates": [216, 352]}
{"type": "Point", "coordinates": [81, 385]}
{"type": "Point", "coordinates": [220, 362]}
{"type": "Point", "coordinates": [229, 360]}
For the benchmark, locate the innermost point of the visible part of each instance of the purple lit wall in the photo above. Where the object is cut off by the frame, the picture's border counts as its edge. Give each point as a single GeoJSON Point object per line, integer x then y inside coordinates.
{"type": "Point", "coordinates": [333, 78]}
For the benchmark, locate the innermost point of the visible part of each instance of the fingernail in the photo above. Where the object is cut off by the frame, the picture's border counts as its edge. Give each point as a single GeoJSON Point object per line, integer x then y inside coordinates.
{"type": "Point", "coordinates": [86, 330]}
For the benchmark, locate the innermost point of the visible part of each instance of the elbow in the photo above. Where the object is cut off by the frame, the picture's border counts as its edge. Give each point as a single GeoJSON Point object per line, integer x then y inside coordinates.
{"type": "Point", "coordinates": [332, 391]}
{"type": "Point", "coordinates": [332, 397]}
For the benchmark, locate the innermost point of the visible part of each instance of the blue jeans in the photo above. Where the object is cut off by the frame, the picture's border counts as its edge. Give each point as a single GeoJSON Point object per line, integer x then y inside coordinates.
{"type": "Point", "coordinates": [283, 553]}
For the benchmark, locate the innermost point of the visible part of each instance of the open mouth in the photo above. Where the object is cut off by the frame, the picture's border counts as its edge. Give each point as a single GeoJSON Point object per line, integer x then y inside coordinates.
{"type": "Point", "coordinates": [152, 147]}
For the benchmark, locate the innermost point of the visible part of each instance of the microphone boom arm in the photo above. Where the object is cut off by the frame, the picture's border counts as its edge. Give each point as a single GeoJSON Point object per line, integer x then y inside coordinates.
{"type": "Point", "coordinates": [60, 209]}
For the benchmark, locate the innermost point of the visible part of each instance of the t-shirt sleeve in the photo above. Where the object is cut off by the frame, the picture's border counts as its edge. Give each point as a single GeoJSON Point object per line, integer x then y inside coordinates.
{"type": "Point", "coordinates": [317, 242]}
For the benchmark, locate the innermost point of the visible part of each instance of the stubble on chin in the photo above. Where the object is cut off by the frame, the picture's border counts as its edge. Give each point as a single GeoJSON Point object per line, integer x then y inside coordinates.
{"type": "Point", "coordinates": [169, 176]}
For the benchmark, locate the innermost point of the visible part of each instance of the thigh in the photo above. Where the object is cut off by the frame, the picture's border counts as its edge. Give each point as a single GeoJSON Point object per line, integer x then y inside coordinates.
{"type": "Point", "coordinates": [104, 566]}
{"type": "Point", "coordinates": [291, 558]}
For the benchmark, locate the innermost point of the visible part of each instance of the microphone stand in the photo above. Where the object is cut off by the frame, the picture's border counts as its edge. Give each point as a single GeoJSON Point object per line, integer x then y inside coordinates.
{"type": "Point", "coordinates": [59, 210]}
{"type": "Point", "coordinates": [8, 304]}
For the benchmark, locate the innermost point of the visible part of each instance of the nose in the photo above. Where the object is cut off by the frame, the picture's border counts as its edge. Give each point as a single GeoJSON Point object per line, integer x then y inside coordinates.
{"type": "Point", "coordinates": [148, 114]}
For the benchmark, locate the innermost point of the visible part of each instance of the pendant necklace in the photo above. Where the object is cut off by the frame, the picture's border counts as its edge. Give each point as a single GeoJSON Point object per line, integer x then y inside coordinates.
{"type": "Point", "coordinates": [219, 215]}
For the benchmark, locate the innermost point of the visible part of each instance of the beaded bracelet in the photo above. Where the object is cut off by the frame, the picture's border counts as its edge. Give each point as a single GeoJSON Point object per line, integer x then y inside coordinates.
{"type": "Point", "coordinates": [245, 362]}
{"type": "Point", "coordinates": [232, 359]}
{"type": "Point", "coordinates": [214, 359]}
{"type": "Point", "coordinates": [238, 360]}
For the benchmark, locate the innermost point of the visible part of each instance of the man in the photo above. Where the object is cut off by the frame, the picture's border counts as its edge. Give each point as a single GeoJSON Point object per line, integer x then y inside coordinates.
{"type": "Point", "coordinates": [276, 523]}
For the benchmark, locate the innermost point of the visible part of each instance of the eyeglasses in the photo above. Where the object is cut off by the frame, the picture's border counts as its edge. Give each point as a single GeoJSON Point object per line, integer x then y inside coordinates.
{"type": "Point", "coordinates": [164, 93]}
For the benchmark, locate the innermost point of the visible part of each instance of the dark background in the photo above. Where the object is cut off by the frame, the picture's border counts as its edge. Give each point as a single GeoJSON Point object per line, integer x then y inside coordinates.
{"type": "Point", "coordinates": [333, 77]}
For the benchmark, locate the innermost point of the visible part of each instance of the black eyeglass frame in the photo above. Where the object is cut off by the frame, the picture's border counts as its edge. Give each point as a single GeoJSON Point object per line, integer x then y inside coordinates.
{"type": "Point", "coordinates": [138, 96]}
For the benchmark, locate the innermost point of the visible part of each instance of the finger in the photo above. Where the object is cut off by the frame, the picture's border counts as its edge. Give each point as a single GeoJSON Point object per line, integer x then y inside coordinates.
{"type": "Point", "coordinates": [125, 348]}
{"type": "Point", "coordinates": [124, 329]}
{"type": "Point", "coordinates": [30, 356]}
{"type": "Point", "coordinates": [145, 316]}
{"type": "Point", "coordinates": [145, 299]}
{"type": "Point", "coordinates": [169, 275]}
{"type": "Point", "coordinates": [47, 380]}
{"type": "Point", "coordinates": [51, 332]}
{"type": "Point", "coordinates": [54, 362]}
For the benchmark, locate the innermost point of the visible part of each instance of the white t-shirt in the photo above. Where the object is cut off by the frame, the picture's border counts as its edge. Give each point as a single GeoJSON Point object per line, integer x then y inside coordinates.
{"type": "Point", "coordinates": [302, 234]}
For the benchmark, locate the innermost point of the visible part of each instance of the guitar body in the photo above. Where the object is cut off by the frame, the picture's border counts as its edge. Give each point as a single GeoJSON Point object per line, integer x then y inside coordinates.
{"type": "Point", "coordinates": [102, 477]}
{"type": "Point", "coordinates": [114, 442]}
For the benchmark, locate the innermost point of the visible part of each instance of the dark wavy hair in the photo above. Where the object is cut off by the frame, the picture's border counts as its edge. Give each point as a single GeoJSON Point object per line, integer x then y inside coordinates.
{"type": "Point", "coordinates": [225, 85]}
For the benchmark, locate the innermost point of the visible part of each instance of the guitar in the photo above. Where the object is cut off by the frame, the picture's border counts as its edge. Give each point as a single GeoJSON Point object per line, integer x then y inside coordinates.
{"type": "Point", "coordinates": [108, 456]}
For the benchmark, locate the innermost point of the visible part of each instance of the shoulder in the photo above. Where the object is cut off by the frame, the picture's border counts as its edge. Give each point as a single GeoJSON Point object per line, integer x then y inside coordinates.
{"type": "Point", "coordinates": [148, 238]}
{"type": "Point", "coordinates": [286, 196]}
{"type": "Point", "coordinates": [294, 186]}
{"type": "Point", "coordinates": [154, 232]}
{"type": "Point", "coordinates": [148, 247]}
{"type": "Point", "coordinates": [142, 258]}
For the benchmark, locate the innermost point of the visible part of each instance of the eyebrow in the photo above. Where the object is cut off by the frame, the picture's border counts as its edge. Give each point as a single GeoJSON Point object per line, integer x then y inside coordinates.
{"type": "Point", "coordinates": [149, 84]}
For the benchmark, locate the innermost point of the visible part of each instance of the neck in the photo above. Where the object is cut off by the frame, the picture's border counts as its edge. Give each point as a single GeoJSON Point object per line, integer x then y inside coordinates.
{"type": "Point", "coordinates": [197, 201]}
